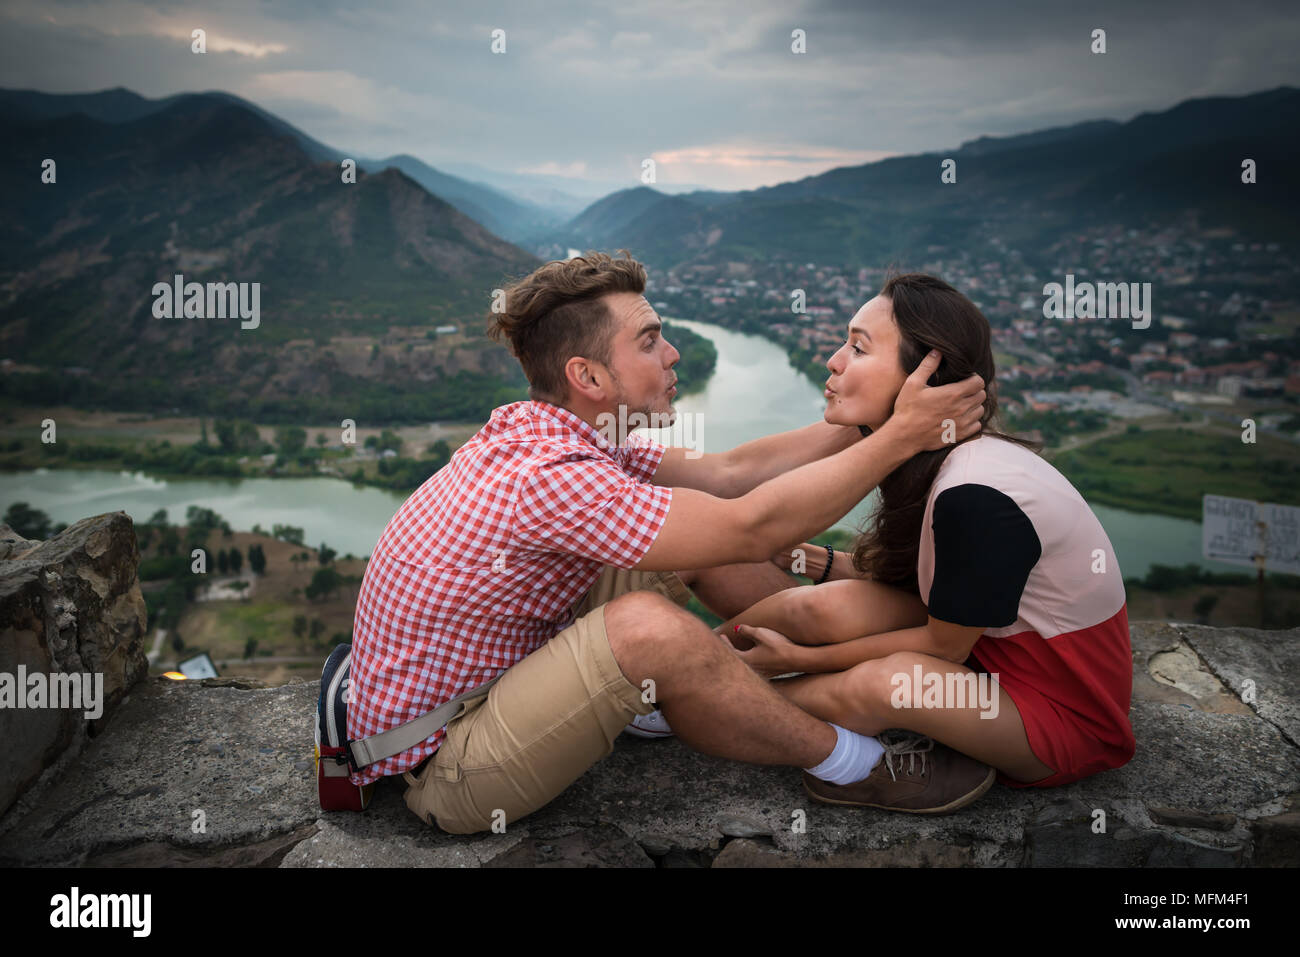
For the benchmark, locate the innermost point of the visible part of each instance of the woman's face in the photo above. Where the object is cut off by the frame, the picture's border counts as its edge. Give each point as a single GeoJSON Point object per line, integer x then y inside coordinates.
{"type": "Point", "coordinates": [866, 375]}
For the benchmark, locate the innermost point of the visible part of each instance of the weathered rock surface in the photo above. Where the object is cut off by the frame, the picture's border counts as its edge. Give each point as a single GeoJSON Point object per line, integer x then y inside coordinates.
{"type": "Point", "coordinates": [69, 606]}
{"type": "Point", "coordinates": [1215, 783]}
{"type": "Point", "coordinates": [220, 772]}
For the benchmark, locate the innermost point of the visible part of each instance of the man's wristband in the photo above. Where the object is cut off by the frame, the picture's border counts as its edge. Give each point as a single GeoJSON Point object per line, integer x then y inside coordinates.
{"type": "Point", "coordinates": [830, 560]}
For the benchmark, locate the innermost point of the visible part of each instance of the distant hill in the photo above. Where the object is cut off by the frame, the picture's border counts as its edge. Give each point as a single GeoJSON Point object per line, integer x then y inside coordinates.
{"type": "Point", "coordinates": [614, 213]}
{"type": "Point", "coordinates": [511, 218]}
{"type": "Point", "coordinates": [209, 187]}
{"type": "Point", "coordinates": [508, 216]}
{"type": "Point", "coordinates": [120, 105]}
{"type": "Point", "coordinates": [1032, 186]}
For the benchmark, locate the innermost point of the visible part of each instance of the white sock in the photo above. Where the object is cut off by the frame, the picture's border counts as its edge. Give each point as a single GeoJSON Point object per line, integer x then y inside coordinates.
{"type": "Point", "coordinates": [852, 760]}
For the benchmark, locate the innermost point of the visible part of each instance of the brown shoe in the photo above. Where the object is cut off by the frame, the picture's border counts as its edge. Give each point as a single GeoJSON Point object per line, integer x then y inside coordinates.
{"type": "Point", "coordinates": [916, 774]}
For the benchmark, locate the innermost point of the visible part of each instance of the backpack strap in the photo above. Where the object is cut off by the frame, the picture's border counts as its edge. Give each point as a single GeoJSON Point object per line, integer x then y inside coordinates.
{"type": "Point", "coordinates": [377, 747]}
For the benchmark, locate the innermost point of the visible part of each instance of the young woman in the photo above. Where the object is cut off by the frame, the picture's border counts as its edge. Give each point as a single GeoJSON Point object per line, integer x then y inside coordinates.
{"type": "Point", "coordinates": [983, 609]}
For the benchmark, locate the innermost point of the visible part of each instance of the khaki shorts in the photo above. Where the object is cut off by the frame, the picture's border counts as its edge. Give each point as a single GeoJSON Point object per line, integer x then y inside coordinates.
{"type": "Point", "coordinates": [548, 719]}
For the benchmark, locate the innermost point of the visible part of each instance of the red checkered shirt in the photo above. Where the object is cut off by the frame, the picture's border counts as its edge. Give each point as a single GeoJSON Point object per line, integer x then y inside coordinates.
{"type": "Point", "coordinates": [485, 561]}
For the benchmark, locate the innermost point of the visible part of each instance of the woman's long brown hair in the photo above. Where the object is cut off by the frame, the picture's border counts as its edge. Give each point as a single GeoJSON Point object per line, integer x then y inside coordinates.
{"type": "Point", "coordinates": [930, 315]}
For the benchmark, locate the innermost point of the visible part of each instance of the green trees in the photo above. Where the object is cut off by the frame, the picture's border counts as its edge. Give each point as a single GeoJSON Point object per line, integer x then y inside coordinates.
{"type": "Point", "coordinates": [291, 440]}
{"type": "Point", "coordinates": [170, 542]}
{"type": "Point", "coordinates": [287, 533]}
{"type": "Point", "coordinates": [699, 356]}
{"type": "Point", "coordinates": [405, 473]}
{"type": "Point", "coordinates": [465, 396]}
{"type": "Point", "coordinates": [324, 583]}
{"type": "Point", "coordinates": [237, 437]}
{"type": "Point", "coordinates": [204, 519]}
{"type": "Point", "coordinates": [27, 521]}
{"type": "Point", "coordinates": [388, 439]}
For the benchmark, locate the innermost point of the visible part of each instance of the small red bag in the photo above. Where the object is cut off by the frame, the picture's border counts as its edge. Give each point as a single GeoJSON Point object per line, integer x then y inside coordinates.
{"type": "Point", "coordinates": [333, 763]}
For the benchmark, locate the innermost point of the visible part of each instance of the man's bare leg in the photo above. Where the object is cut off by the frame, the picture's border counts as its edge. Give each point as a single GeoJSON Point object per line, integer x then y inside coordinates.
{"type": "Point", "coordinates": [728, 590]}
{"type": "Point", "coordinates": [713, 700]}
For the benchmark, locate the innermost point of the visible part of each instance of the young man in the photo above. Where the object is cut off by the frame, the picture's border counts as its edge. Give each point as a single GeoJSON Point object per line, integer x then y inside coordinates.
{"type": "Point", "coordinates": [546, 555]}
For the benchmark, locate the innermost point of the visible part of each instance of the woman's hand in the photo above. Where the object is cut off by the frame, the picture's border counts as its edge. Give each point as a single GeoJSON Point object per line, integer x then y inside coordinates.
{"type": "Point", "coordinates": [772, 653]}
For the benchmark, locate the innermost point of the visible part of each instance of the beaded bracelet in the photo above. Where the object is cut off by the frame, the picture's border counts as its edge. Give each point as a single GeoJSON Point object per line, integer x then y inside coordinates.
{"type": "Point", "coordinates": [830, 560]}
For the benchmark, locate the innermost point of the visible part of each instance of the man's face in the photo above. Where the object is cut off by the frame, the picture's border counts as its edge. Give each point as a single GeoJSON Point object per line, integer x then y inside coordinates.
{"type": "Point", "coordinates": [641, 359]}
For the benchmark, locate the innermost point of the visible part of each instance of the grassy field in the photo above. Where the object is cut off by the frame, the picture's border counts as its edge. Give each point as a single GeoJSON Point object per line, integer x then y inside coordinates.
{"type": "Point", "coordinates": [223, 627]}
{"type": "Point", "coordinates": [1003, 360]}
{"type": "Point", "coordinates": [1167, 471]}
{"type": "Point", "coordinates": [1237, 605]}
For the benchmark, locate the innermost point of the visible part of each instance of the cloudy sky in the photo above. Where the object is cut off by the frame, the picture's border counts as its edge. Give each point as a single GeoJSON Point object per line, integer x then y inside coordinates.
{"type": "Point", "coordinates": [710, 90]}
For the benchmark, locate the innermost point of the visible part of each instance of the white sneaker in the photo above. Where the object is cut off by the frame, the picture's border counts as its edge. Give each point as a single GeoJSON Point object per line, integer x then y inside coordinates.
{"type": "Point", "coordinates": [652, 725]}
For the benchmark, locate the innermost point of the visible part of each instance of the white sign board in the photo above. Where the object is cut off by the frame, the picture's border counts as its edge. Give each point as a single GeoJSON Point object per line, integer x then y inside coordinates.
{"type": "Point", "coordinates": [1238, 531]}
{"type": "Point", "coordinates": [197, 667]}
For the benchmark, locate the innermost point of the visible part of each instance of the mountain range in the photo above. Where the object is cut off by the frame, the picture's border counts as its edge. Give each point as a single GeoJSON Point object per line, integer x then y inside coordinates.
{"type": "Point", "coordinates": [509, 216]}
{"type": "Point", "coordinates": [356, 277]}
{"type": "Point", "coordinates": [1029, 188]}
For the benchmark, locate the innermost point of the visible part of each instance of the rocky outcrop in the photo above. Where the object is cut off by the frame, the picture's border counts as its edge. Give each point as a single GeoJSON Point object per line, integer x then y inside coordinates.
{"type": "Point", "coordinates": [69, 607]}
{"type": "Point", "coordinates": [220, 772]}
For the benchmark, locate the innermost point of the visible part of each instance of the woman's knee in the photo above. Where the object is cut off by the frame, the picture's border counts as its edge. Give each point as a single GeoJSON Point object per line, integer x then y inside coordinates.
{"type": "Point", "coordinates": [806, 612]}
{"type": "Point", "coordinates": [870, 687]}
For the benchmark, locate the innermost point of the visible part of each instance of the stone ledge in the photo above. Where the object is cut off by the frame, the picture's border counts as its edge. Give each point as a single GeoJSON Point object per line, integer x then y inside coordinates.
{"type": "Point", "coordinates": [1215, 783]}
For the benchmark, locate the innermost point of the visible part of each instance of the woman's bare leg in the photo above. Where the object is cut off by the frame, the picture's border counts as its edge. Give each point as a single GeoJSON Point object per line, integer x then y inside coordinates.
{"type": "Point", "coordinates": [833, 612]}
{"type": "Point", "coordinates": [729, 589]}
{"type": "Point", "coordinates": [863, 699]}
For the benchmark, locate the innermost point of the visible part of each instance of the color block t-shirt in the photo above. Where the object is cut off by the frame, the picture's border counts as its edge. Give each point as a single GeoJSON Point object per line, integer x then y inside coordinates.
{"type": "Point", "coordinates": [1009, 545]}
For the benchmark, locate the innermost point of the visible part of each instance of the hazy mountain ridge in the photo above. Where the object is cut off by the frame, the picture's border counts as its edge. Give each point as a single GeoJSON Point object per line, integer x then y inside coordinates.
{"type": "Point", "coordinates": [1035, 185]}
{"type": "Point", "coordinates": [508, 216]}
{"type": "Point", "coordinates": [504, 215]}
{"type": "Point", "coordinates": [212, 190]}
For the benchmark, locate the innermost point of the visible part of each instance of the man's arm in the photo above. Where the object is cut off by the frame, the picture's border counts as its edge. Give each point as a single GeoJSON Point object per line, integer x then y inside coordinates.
{"type": "Point", "coordinates": [744, 468]}
{"type": "Point", "coordinates": [702, 531]}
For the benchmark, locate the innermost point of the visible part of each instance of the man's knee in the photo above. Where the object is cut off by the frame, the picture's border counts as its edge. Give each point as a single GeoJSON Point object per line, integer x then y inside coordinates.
{"type": "Point", "coordinates": [646, 627]}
